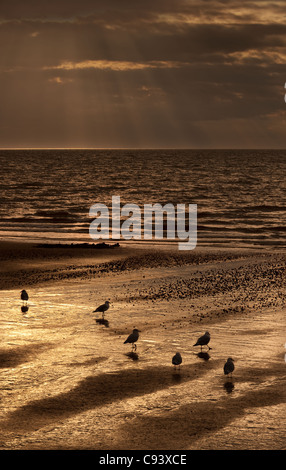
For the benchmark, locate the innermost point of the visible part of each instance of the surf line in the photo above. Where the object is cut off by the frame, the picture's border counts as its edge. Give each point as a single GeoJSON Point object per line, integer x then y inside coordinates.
{"type": "Point", "coordinates": [155, 221]}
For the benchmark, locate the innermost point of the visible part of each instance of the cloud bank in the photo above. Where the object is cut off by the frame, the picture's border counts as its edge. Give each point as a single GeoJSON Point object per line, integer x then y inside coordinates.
{"type": "Point", "coordinates": [147, 73]}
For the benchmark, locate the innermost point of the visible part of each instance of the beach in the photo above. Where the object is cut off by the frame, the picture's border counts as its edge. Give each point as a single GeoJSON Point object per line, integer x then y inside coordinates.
{"type": "Point", "coordinates": [142, 229]}
{"type": "Point", "coordinates": [69, 382]}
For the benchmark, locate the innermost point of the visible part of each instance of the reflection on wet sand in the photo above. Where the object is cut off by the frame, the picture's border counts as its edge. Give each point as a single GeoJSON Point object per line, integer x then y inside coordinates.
{"type": "Point", "coordinates": [132, 355]}
{"type": "Point", "coordinates": [228, 386]}
{"type": "Point", "coordinates": [176, 376]}
{"type": "Point", "coordinates": [203, 355]}
{"type": "Point", "coordinates": [102, 321]}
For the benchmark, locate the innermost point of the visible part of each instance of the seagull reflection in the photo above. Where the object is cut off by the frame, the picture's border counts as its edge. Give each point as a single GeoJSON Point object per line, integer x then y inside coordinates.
{"type": "Point", "coordinates": [132, 355]}
{"type": "Point", "coordinates": [102, 321]}
{"type": "Point", "coordinates": [228, 386]}
{"type": "Point", "coordinates": [176, 375]}
{"type": "Point", "coordinates": [203, 355]}
{"type": "Point", "coordinates": [24, 308]}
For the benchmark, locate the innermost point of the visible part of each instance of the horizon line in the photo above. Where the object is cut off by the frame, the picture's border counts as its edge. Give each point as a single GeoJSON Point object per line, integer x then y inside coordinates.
{"type": "Point", "coordinates": [142, 148]}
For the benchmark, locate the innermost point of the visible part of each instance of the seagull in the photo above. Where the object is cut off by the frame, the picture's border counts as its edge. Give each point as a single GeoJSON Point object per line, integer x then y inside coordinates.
{"type": "Point", "coordinates": [203, 340]}
{"type": "Point", "coordinates": [132, 338]}
{"type": "Point", "coordinates": [24, 296]}
{"type": "Point", "coordinates": [177, 360]}
{"type": "Point", "coordinates": [103, 308]}
{"type": "Point", "coordinates": [228, 368]}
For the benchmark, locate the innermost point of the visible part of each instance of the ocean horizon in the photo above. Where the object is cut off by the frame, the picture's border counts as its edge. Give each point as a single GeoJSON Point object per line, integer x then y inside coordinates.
{"type": "Point", "coordinates": [46, 194]}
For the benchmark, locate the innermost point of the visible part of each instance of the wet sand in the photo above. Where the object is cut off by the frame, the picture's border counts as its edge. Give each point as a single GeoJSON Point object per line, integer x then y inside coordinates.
{"type": "Point", "coordinates": [69, 382]}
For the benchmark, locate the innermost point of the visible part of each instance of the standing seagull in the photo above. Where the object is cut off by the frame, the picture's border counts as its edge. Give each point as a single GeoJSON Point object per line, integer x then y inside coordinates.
{"type": "Point", "coordinates": [24, 296]}
{"type": "Point", "coordinates": [203, 340]}
{"type": "Point", "coordinates": [228, 368]}
{"type": "Point", "coordinates": [177, 360]}
{"type": "Point", "coordinates": [132, 338]}
{"type": "Point", "coordinates": [103, 308]}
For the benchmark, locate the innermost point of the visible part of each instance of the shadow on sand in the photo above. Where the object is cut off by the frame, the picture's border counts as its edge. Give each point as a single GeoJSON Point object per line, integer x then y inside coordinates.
{"type": "Point", "coordinates": [20, 354]}
{"type": "Point", "coordinates": [188, 423]}
{"type": "Point", "coordinates": [99, 390]}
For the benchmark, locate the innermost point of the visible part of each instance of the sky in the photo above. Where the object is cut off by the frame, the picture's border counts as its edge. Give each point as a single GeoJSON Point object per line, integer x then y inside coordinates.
{"type": "Point", "coordinates": [142, 74]}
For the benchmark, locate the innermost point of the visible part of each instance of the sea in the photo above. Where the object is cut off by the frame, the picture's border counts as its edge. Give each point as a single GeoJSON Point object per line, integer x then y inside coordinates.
{"type": "Point", "coordinates": [46, 195]}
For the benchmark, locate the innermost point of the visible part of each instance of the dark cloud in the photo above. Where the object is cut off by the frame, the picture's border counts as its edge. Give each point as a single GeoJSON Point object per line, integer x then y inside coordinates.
{"type": "Point", "coordinates": [52, 43]}
{"type": "Point", "coordinates": [126, 11]}
{"type": "Point", "coordinates": [160, 73]}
